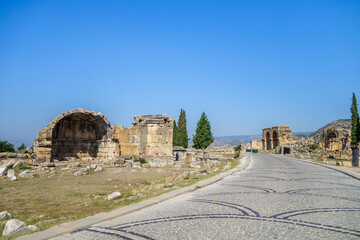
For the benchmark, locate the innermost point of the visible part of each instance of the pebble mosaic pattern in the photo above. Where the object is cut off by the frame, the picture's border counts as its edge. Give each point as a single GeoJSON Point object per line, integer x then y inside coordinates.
{"type": "Point", "coordinates": [274, 198]}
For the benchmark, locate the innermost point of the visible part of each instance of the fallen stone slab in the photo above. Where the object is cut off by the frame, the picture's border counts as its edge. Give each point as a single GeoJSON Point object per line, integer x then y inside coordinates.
{"type": "Point", "coordinates": [17, 164]}
{"type": "Point", "coordinates": [98, 169]}
{"type": "Point", "coordinates": [12, 227]}
{"type": "Point", "coordinates": [5, 215]}
{"type": "Point", "coordinates": [3, 171]}
{"type": "Point", "coordinates": [27, 174]}
{"type": "Point", "coordinates": [10, 173]}
{"type": "Point", "coordinates": [113, 196]}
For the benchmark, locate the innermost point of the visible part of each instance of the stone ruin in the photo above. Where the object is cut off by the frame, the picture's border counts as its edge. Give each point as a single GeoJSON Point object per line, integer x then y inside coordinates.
{"type": "Point", "coordinates": [336, 139]}
{"type": "Point", "coordinates": [87, 135]}
{"type": "Point", "coordinates": [273, 138]}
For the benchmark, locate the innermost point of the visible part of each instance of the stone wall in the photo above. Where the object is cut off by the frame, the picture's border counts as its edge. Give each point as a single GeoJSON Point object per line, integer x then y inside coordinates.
{"type": "Point", "coordinates": [257, 144]}
{"type": "Point", "coordinates": [80, 133]}
{"type": "Point", "coordinates": [155, 134]}
{"type": "Point", "coordinates": [277, 136]}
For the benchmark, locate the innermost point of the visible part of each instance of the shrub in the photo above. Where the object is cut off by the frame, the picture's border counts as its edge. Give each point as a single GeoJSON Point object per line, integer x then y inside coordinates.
{"type": "Point", "coordinates": [25, 167]}
{"type": "Point", "coordinates": [6, 147]}
{"type": "Point", "coordinates": [141, 160]}
{"type": "Point", "coordinates": [21, 147]}
{"type": "Point", "coordinates": [313, 146]}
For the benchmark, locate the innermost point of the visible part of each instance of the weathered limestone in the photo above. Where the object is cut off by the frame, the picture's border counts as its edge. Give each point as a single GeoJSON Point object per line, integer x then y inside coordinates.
{"type": "Point", "coordinates": [150, 135]}
{"type": "Point", "coordinates": [277, 136]}
{"type": "Point", "coordinates": [87, 135]}
{"type": "Point", "coordinates": [336, 139]}
{"type": "Point", "coordinates": [257, 144]}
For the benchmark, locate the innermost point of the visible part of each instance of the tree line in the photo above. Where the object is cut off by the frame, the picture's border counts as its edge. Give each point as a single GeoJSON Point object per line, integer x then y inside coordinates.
{"type": "Point", "coordinates": [5, 146]}
{"type": "Point", "coordinates": [203, 136]}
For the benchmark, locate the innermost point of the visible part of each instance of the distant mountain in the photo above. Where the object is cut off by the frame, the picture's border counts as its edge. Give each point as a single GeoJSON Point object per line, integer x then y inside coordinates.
{"type": "Point", "coordinates": [301, 134]}
{"type": "Point", "coordinates": [235, 140]}
{"type": "Point", "coordinates": [341, 123]}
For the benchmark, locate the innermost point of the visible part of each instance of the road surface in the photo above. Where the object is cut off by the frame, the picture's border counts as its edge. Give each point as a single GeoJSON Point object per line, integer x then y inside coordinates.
{"type": "Point", "coordinates": [274, 198]}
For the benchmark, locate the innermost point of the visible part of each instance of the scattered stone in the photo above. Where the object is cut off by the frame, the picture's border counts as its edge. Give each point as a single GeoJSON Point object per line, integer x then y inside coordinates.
{"type": "Point", "coordinates": [145, 165]}
{"type": "Point", "coordinates": [186, 174]}
{"type": "Point", "coordinates": [17, 164]}
{"type": "Point", "coordinates": [93, 166]}
{"type": "Point", "coordinates": [21, 156]}
{"type": "Point", "coordinates": [177, 166]}
{"type": "Point", "coordinates": [47, 164]}
{"type": "Point", "coordinates": [203, 171]}
{"type": "Point", "coordinates": [2, 171]}
{"type": "Point", "coordinates": [216, 170]}
{"type": "Point", "coordinates": [10, 173]}
{"type": "Point", "coordinates": [40, 159]}
{"type": "Point", "coordinates": [5, 215]}
{"type": "Point", "coordinates": [169, 179]}
{"type": "Point", "coordinates": [29, 150]}
{"type": "Point", "coordinates": [27, 174]}
{"type": "Point", "coordinates": [13, 178]}
{"type": "Point", "coordinates": [98, 169]}
{"type": "Point", "coordinates": [77, 164]}
{"type": "Point", "coordinates": [133, 198]}
{"type": "Point", "coordinates": [8, 165]}
{"type": "Point", "coordinates": [113, 196]}
{"type": "Point", "coordinates": [11, 155]}
{"type": "Point", "coordinates": [137, 165]}
{"type": "Point", "coordinates": [13, 227]}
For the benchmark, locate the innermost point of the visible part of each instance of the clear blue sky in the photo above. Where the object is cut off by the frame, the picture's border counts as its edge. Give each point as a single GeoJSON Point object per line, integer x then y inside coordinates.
{"type": "Point", "coordinates": [247, 64]}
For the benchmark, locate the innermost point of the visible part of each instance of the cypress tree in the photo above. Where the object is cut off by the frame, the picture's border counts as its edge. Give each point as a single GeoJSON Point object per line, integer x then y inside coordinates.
{"type": "Point", "coordinates": [174, 134]}
{"type": "Point", "coordinates": [203, 136]}
{"type": "Point", "coordinates": [182, 138]}
{"type": "Point", "coordinates": [355, 130]}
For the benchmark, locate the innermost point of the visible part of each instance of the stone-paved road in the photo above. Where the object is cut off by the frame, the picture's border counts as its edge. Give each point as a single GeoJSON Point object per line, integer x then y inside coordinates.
{"type": "Point", "coordinates": [274, 198]}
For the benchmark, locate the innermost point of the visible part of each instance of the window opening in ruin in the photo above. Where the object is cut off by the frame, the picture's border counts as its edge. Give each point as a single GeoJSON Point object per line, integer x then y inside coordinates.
{"type": "Point", "coordinates": [286, 150]}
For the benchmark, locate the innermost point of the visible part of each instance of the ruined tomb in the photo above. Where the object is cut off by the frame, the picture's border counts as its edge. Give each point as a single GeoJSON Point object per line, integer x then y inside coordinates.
{"type": "Point", "coordinates": [84, 134]}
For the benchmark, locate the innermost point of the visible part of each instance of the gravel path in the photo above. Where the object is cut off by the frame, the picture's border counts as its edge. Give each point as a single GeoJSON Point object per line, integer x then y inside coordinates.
{"type": "Point", "coordinates": [274, 198]}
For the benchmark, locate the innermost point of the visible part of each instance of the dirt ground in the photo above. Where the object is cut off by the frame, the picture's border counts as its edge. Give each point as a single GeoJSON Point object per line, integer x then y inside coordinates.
{"type": "Point", "coordinates": [45, 201]}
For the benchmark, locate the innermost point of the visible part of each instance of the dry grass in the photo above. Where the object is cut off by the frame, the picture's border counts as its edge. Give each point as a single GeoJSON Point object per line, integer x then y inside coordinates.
{"type": "Point", "coordinates": [45, 202]}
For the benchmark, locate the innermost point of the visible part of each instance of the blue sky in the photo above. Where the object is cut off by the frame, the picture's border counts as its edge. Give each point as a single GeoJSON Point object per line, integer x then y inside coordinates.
{"type": "Point", "coordinates": [247, 64]}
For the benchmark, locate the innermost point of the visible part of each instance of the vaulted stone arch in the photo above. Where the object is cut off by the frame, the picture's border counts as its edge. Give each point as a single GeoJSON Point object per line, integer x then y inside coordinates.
{"type": "Point", "coordinates": [275, 139]}
{"type": "Point", "coordinates": [75, 133]}
{"type": "Point", "coordinates": [267, 138]}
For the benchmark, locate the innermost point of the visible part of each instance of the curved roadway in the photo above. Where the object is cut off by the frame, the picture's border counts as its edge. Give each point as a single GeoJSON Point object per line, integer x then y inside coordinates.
{"type": "Point", "coordinates": [274, 198]}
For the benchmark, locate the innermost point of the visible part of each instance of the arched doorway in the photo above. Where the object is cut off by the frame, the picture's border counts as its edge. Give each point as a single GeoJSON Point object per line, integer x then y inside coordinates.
{"type": "Point", "coordinates": [77, 135]}
{"type": "Point", "coordinates": [268, 141]}
{"type": "Point", "coordinates": [275, 139]}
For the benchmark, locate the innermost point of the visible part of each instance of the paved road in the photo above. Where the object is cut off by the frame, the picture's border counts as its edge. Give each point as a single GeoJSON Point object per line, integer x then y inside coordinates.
{"type": "Point", "coordinates": [274, 198]}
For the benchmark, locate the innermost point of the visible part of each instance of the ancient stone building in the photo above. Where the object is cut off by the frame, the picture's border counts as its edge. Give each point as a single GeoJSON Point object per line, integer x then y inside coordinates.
{"type": "Point", "coordinates": [277, 136]}
{"type": "Point", "coordinates": [336, 139]}
{"type": "Point", "coordinates": [257, 144]}
{"type": "Point", "coordinates": [80, 133]}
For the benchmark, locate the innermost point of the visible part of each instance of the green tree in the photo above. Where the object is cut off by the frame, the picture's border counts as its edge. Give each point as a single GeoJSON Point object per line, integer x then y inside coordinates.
{"type": "Point", "coordinates": [182, 138]}
{"type": "Point", "coordinates": [355, 129]}
{"type": "Point", "coordinates": [203, 136]}
{"type": "Point", "coordinates": [237, 150]}
{"type": "Point", "coordinates": [6, 147]}
{"type": "Point", "coordinates": [174, 134]}
{"type": "Point", "coordinates": [21, 147]}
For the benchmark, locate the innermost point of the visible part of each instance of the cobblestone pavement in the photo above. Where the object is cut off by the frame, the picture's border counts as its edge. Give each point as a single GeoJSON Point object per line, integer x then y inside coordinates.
{"type": "Point", "coordinates": [274, 198]}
